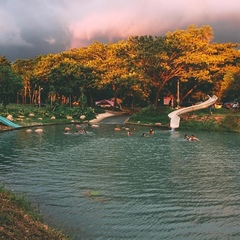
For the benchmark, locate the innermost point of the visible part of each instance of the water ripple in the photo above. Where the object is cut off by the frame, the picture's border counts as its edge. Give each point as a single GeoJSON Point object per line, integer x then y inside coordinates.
{"type": "Point", "coordinates": [107, 185]}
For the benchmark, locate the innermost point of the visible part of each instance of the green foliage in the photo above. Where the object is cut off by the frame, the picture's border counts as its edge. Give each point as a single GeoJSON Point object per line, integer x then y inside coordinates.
{"type": "Point", "coordinates": [45, 113]}
{"type": "Point", "coordinates": [99, 110]}
{"type": "Point", "coordinates": [211, 126]}
{"type": "Point", "coordinates": [23, 110]}
{"type": "Point", "coordinates": [10, 84]}
{"type": "Point", "coordinates": [150, 115]}
{"type": "Point", "coordinates": [233, 88]}
{"type": "Point", "coordinates": [231, 123]}
{"type": "Point", "coordinates": [221, 120]}
{"type": "Point", "coordinates": [4, 61]}
{"type": "Point", "coordinates": [20, 201]}
{"type": "Point", "coordinates": [63, 111]}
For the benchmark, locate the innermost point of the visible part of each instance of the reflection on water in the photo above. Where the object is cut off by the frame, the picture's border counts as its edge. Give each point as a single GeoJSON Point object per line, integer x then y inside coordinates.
{"type": "Point", "coordinates": [107, 185]}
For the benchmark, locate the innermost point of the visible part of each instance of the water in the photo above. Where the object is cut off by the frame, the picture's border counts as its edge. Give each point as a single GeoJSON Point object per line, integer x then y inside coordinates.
{"type": "Point", "coordinates": [107, 185]}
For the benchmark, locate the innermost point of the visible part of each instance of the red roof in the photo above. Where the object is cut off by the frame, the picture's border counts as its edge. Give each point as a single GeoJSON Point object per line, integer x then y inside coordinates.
{"type": "Point", "coordinates": [105, 102]}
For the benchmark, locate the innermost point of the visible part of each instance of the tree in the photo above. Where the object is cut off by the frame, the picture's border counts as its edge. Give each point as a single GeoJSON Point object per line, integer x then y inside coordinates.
{"type": "Point", "coordinates": [10, 84]}
{"type": "Point", "coordinates": [114, 75]}
{"type": "Point", "coordinates": [183, 54]}
{"type": "Point", "coordinates": [24, 68]}
{"type": "Point", "coordinates": [4, 61]}
{"type": "Point", "coordinates": [40, 77]}
{"type": "Point", "coordinates": [70, 78]}
{"type": "Point", "coordinates": [231, 87]}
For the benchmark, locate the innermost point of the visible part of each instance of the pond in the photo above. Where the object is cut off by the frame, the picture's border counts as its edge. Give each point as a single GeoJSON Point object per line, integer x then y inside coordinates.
{"type": "Point", "coordinates": [108, 185]}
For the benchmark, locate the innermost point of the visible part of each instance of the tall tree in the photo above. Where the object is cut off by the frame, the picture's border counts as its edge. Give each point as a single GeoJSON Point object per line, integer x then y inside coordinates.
{"type": "Point", "coordinates": [111, 62]}
{"type": "Point", "coordinates": [10, 84]}
{"type": "Point", "coordinates": [24, 68]}
{"type": "Point", "coordinates": [70, 78]}
{"type": "Point", "coordinates": [4, 61]}
{"type": "Point", "coordinates": [182, 54]}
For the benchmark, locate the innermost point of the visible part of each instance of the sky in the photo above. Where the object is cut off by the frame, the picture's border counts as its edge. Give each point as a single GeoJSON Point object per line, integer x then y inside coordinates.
{"type": "Point", "coordinates": [33, 27]}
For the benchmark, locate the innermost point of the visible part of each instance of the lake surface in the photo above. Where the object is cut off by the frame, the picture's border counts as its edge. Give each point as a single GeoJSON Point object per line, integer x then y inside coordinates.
{"type": "Point", "coordinates": [107, 185]}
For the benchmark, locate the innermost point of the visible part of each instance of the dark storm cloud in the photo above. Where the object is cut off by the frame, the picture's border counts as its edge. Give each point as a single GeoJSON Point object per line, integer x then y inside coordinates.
{"type": "Point", "coordinates": [29, 28]}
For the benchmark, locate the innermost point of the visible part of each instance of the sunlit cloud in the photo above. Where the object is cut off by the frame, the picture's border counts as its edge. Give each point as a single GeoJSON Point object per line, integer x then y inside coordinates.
{"type": "Point", "coordinates": [28, 28]}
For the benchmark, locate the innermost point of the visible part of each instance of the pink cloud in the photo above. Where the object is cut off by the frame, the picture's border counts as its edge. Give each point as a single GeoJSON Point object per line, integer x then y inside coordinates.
{"type": "Point", "coordinates": [121, 19]}
{"type": "Point", "coordinates": [57, 25]}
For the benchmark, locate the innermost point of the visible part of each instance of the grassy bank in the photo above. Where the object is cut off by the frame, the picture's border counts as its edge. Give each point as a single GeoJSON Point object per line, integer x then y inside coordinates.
{"type": "Point", "coordinates": [218, 120]}
{"type": "Point", "coordinates": [29, 115]}
{"type": "Point", "coordinates": [222, 120]}
{"type": "Point", "coordinates": [19, 220]}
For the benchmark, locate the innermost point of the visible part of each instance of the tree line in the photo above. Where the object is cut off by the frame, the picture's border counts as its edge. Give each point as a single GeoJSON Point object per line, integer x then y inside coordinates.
{"type": "Point", "coordinates": [140, 70]}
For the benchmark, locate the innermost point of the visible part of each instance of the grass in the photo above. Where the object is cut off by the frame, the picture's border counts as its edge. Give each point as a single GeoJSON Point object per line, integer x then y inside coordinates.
{"type": "Point", "coordinates": [29, 115]}
{"type": "Point", "coordinates": [218, 120]}
{"type": "Point", "coordinates": [151, 116]}
{"type": "Point", "coordinates": [19, 220]}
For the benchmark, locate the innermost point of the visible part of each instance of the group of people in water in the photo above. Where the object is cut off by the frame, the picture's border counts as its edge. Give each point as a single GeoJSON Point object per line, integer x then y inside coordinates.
{"type": "Point", "coordinates": [144, 134]}
{"type": "Point", "coordinates": [80, 131]}
{"type": "Point", "coordinates": [190, 138]}
{"type": "Point", "coordinates": [151, 132]}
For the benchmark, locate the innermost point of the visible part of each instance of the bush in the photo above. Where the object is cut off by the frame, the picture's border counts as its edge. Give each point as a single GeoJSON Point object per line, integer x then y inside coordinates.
{"type": "Point", "coordinates": [151, 115]}
{"type": "Point", "coordinates": [231, 123]}
{"type": "Point", "coordinates": [45, 113]}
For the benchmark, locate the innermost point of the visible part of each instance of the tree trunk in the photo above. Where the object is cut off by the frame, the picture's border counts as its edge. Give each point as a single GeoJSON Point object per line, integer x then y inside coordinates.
{"type": "Point", "coordinates": [189, 92]}
{"type": "Point", "coordinates": [156, 98]}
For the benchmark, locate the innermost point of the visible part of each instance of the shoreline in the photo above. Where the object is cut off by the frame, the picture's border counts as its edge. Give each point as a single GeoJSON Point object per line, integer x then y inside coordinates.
{"type": "Point", "coordinates": [98, 119]}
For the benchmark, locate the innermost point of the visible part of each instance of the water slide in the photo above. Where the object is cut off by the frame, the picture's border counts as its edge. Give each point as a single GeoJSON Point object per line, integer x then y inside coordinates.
{"type": "Point", "coordinates": [174, 116]}
{"type": "Point", "coordinates": [8, 122]}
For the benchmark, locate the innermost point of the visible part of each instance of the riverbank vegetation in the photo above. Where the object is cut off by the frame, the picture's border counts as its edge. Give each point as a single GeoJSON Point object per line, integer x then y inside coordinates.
{"type": "Point", "coordinates": [209, 119]}
{"type": "Point", "coordinates": [19, 220]}
{"type": "Point", "coordinates": [30, 115]}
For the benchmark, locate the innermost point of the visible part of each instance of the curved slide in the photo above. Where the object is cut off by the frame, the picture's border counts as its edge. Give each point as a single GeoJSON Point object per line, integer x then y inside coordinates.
{"type": "Point", "coordinates": [174, 116]}
{"type": "Point", "coordinates": [8, 122]}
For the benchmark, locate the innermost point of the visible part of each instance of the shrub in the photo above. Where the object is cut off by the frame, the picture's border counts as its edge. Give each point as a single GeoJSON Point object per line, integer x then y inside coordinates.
{"type": "Point", "coordinates": [151, 115]}
{"type": "Point", "coordinates": [231, 123]}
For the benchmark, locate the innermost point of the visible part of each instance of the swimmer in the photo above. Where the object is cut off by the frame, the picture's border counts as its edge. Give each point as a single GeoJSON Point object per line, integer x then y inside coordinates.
{"type": "Point", "coordinates": [186, 137]}
{"type": "Point", "coordinates": [66, 131]}
{"type": "Point", "coordinates": [151, 131]}
{"type": "Point", "coordinates": [83, 131]}
{"type": "Point", "coordinates": [193, 138]}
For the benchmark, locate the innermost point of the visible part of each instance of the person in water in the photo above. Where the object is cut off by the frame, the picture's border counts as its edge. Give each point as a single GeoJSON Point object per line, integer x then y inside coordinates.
{"type": "Point", "coordinates": [186, 137]}
{"type": "Point", "coordinates": [66, 131]}
{"type": "Point", "coordinates": [151, 131]}
{"type": "Point", "coordinates": [82, 131]}
{"type": "Point", "coordinates": [193, 138]}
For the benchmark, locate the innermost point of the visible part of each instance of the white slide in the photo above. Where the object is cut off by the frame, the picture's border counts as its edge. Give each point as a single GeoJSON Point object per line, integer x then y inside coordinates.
{"type": "Point", "coordinates": [174, 116]}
